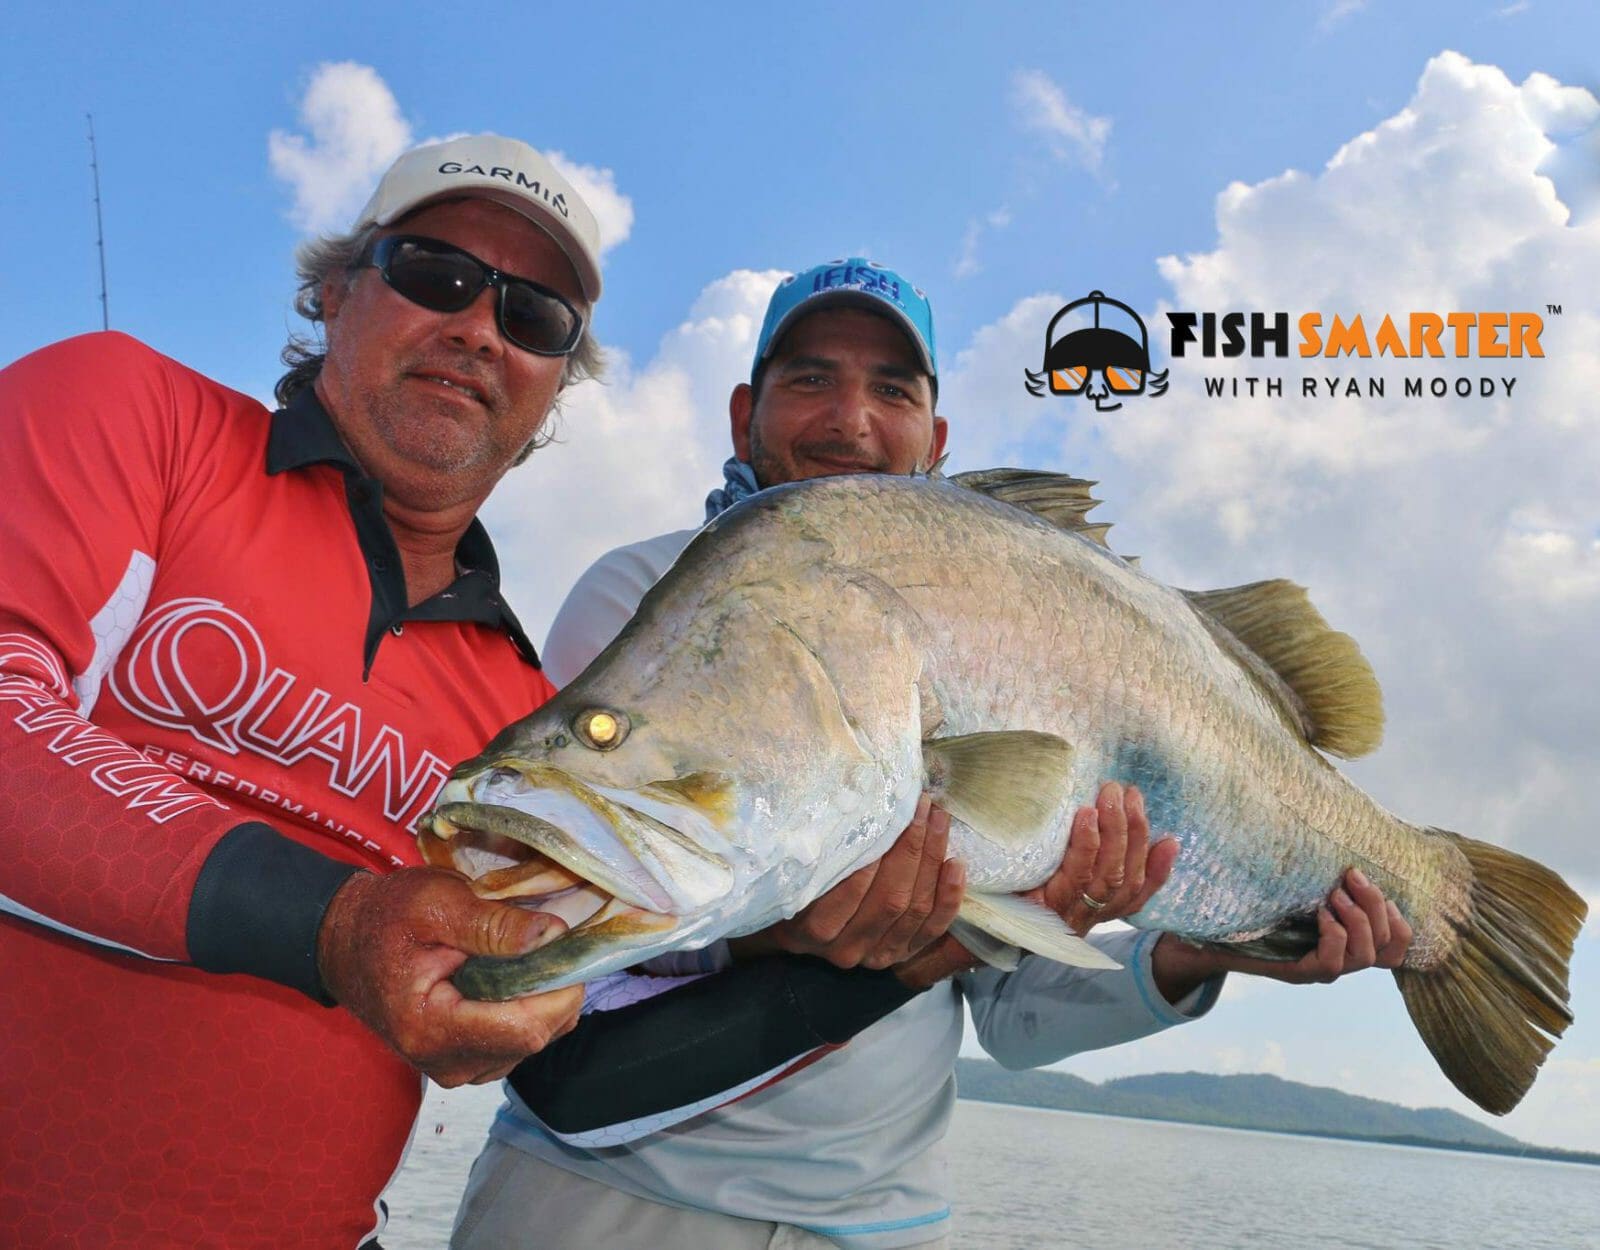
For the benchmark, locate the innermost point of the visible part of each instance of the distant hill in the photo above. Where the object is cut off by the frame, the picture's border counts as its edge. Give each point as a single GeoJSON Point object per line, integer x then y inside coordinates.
{"type": "Point", "coordinates": [1247, 1101]}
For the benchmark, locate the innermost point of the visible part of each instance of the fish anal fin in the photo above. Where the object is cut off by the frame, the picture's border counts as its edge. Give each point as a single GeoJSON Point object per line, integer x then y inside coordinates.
{"type": "Point", "coordinates": [1007, 786]}
{"type": "Point", "coordinates": [1292, 938]}
{"type": "Point", "coordinates": [1032, 926]}
{"type": "Point", "coordinates": [1330, 689]}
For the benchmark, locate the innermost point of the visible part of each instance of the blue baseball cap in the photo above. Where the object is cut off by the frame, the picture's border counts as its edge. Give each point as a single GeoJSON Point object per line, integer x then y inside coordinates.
{"type": "Point", "coordinates": [857, 281]}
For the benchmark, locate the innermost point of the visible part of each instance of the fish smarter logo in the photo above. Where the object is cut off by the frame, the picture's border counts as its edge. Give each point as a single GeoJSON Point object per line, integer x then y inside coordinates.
{"type": "Point", "coordinates": [1099, 348]}
{"type": "Point", "coordinates": [1363, 338]}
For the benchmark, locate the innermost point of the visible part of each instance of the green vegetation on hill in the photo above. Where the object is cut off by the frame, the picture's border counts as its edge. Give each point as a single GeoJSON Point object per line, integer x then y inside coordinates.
{"type": "Point", "coordinates": [1248, 1101]}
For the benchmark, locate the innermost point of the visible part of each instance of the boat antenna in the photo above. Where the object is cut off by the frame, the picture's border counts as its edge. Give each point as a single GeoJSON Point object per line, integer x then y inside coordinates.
{"type": "Point", "coordinates": [99, 227]}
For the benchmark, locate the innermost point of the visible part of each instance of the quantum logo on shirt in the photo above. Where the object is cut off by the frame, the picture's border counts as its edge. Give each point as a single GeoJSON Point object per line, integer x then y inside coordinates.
{"type": "Point", "coordinates": [198, 667]}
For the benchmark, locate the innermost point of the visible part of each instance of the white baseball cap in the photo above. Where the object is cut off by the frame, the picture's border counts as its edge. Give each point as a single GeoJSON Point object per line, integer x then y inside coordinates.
{"type": "Point", "coordinates": [496, 168]}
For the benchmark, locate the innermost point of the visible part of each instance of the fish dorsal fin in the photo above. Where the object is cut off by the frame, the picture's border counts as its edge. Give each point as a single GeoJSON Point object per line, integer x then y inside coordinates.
{"type": "Point", "coordinates": [1063, 501]}
{"type": "Point", "coordinates": [1006, 786]}
{"type": "Point", "coordinates": [1335, 696]}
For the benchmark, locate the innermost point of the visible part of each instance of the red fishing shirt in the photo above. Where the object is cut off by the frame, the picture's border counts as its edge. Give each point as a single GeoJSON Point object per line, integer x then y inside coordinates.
{"type": "Point", "coordinates": [214, 700]}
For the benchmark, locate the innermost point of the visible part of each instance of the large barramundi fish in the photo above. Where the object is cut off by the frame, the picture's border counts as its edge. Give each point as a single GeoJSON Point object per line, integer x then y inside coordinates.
{"type": "Point", "coordinates": [827, 650]}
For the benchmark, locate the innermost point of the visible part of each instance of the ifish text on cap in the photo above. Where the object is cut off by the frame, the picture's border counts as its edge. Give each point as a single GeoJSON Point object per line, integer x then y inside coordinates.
{"type": "Point", "coordinates": [854, 280]}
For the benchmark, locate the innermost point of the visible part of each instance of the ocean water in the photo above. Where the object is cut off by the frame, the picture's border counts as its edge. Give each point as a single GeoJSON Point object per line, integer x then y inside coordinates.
{"type": "Point", "coordinates": [1022, 1179]}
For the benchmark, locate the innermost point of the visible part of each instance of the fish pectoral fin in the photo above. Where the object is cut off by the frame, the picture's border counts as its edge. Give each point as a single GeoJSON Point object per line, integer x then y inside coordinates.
{"type": "Point", "coordinates": [1033, 927]}
{"type": "Point", "coordinates": [1007, 786]}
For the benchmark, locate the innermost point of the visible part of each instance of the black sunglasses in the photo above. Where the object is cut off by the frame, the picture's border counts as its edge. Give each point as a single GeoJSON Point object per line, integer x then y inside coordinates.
{"type": "Point", "coordinates": [443, 278]}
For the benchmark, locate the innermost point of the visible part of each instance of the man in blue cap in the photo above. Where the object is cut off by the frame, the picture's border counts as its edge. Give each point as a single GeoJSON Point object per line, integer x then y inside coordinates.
{"type": "Point", "coordinates": [840, 1146]}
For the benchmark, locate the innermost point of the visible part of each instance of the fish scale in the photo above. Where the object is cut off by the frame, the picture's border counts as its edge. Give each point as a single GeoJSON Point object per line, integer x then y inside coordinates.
{"type": "Point", "coordinates": [821, 652]}
{"type": "Point", "coordinates": [1119, 632]}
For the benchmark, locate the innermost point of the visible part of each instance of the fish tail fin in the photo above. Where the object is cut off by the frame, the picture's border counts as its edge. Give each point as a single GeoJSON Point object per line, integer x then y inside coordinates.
{"type": "Point", "coordinates": [1493, 1009]}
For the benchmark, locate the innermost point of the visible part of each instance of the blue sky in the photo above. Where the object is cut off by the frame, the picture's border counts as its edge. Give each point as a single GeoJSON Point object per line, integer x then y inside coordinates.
{"type": "Point", "coordinates": [743, 141]}
{"type": "Point", "coordinates": [1007, 159]}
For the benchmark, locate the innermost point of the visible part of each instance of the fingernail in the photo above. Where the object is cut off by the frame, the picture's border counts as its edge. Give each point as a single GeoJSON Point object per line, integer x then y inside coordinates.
{"type": "Point", "coordinates": [1135, 799]}
{"type": "Point", "coordinates": [1339, 896]}
{"type": "Point", "coordinates": [1357, 877]}
{"type": "Point", "coordinates": [958, 873]}
{"type": "Point", "coordinates": [923, 804]}
{"type": "Point", "coordinates": [1094, 819]}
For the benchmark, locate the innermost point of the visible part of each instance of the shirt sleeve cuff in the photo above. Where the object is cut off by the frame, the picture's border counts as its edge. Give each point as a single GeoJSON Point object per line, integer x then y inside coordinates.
{"type": "Point", "coordinates": [1196, 1003]}
{"type": "Point", "coordinates": [257, 908]}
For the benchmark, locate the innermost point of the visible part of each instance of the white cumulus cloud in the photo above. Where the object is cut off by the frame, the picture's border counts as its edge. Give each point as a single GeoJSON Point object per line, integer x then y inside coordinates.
{"type": "Point", "coordinates": [1074, 135]}
{"type": "Point", "coordinates": [613, 211]}
{"type": "Point", "coordinates": [968, 263]}
{"type": "Point", "coordinates": [1266, 1057]}
{"type": "Point", "coordinates": [354, 131]}
{"type": "Point", "coordinates": [1337, 11]}
{"type": "Point", "coordinates": [1454, 538]}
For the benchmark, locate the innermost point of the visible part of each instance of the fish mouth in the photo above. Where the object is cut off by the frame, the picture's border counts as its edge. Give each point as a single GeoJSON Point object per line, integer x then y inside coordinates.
{"type": "Point", "coordinates": [627, 884]}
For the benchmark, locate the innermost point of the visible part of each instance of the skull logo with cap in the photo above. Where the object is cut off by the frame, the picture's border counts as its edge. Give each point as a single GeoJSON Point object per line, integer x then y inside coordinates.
{"type": "Point", "coordinates": [1099, 348]}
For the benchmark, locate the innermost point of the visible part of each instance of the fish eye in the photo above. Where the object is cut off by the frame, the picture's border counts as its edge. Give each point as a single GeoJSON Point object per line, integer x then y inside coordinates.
{"type": "Point", "coordinates": [600, 729]}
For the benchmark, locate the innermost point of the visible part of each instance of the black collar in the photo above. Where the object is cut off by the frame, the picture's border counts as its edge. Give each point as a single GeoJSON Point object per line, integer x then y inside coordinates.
{"type": "Point", "coordinates": [303, 435]}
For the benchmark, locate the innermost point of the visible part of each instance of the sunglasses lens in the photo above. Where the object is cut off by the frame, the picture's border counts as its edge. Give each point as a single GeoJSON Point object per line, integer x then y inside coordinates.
{"type": "Point", "coordinates": [442, 281]}
{"type": "Point", "coordinates": [443, 278]}
{"type": "Point", "coordinates": [1125, 381]}
{"type": "Point", "coordinates": [536, 321]}
{"type": "Point", "coordinates": [1069, 381]}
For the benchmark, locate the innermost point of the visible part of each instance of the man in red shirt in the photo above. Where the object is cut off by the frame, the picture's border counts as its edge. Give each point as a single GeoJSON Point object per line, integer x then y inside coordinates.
{"type": "Point", "coordinates": [238, 651]}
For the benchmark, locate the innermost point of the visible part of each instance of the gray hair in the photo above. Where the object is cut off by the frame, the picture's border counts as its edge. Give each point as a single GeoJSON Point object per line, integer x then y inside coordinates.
{"type": "Point", "coordinates": [333, 257]}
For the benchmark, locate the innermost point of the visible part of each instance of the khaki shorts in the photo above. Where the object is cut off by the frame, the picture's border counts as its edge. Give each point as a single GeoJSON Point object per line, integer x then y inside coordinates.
{"type": "Point", "coordinates": [517, 1202]}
